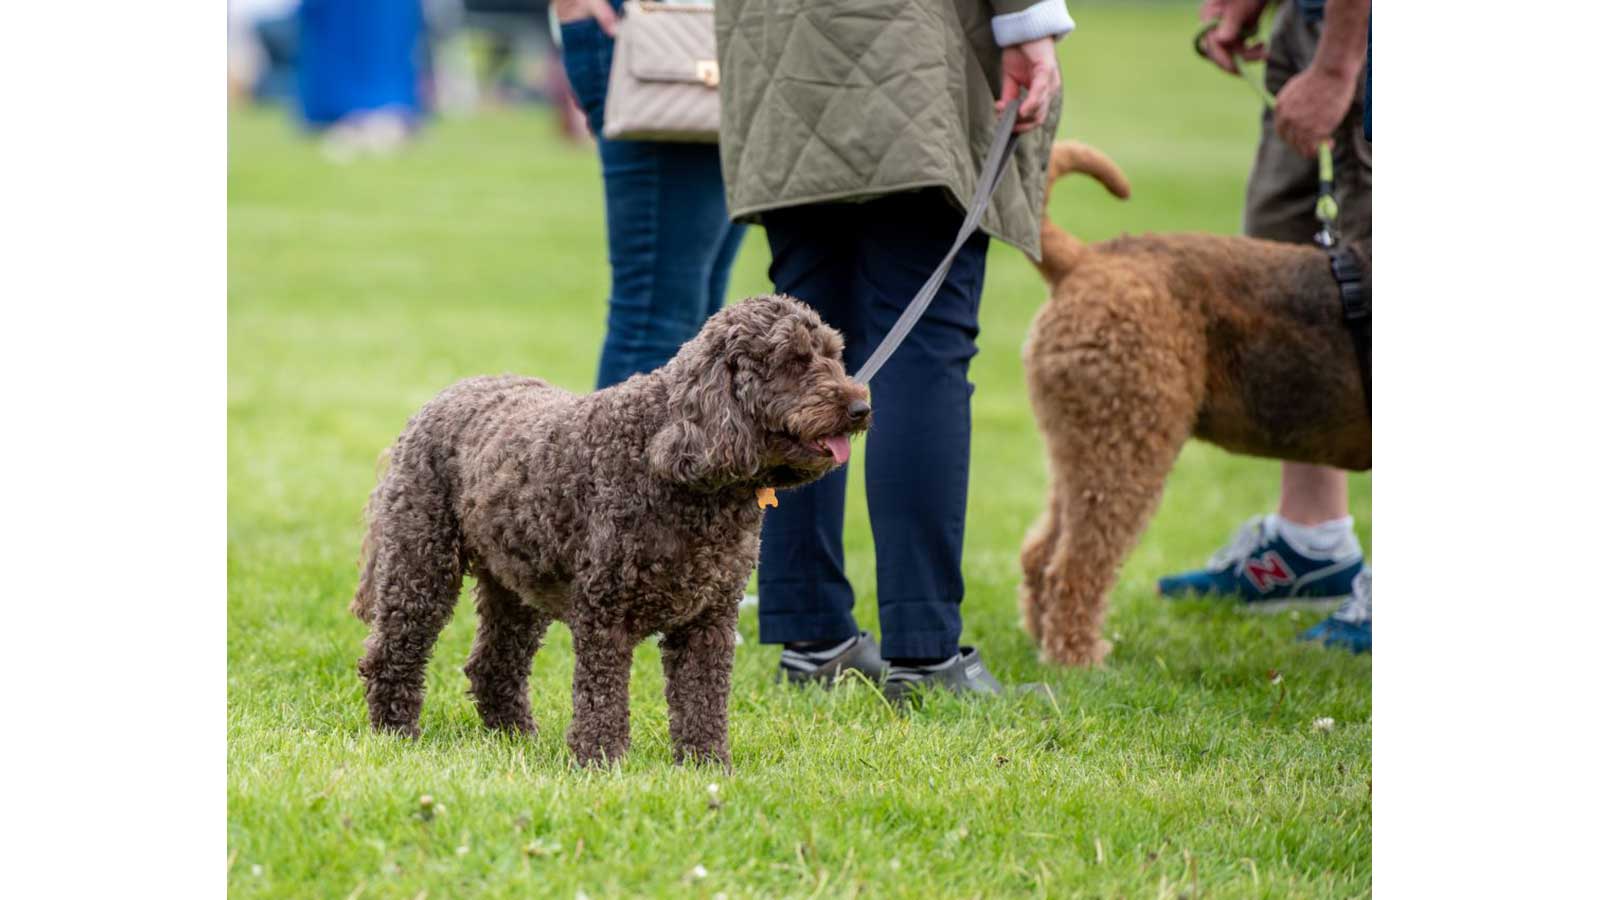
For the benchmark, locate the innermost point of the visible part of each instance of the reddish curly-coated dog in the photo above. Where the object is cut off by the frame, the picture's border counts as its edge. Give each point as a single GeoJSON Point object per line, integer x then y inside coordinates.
{"type": "Point", "coordinates": [627, 512]}
{"type": "Point", "coordinates": [1146, 342]}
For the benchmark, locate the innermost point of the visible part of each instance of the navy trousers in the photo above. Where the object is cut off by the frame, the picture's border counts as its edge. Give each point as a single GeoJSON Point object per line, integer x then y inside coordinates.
{"type": "Point", "coordinates": [858, 265]}
{"type": "Point", "coordinates": [668, 236]}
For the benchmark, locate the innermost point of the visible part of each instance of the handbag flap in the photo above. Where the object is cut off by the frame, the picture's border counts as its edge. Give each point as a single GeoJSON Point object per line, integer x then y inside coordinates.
{"type": "Point", "coordinates": [670, 43]}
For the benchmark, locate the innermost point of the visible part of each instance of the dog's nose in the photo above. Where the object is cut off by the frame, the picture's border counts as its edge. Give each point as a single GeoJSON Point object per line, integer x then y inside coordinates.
{"type": "Point", "coordinates": [858, 410]}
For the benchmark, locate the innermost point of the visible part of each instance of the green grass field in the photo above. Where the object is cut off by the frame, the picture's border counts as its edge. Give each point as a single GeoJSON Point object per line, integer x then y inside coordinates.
{"type": "Point", "coordinates": [1179, 769]}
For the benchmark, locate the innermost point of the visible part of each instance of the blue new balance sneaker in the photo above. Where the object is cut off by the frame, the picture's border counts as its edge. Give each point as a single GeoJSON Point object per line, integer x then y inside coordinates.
{"type": "Point", "coordinates": [1263, 568]}
{"type": "Point", "coordinates": [1350, 627]}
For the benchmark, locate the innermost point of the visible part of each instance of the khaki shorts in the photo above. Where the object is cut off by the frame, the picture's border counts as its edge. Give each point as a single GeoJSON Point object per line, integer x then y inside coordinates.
{"type": "Point", "coordinates": [1281, 199]}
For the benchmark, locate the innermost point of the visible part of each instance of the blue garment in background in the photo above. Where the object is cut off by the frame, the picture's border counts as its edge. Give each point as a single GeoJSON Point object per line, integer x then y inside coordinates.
{"type": "Point", "coordinates": [668, 236]}
{"type": "Point", "coordinates": [358, 55]}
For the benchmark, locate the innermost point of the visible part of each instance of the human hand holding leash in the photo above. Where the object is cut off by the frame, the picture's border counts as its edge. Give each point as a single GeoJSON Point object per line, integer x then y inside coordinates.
{"type": "Point", "coordinates": [1237, 21]}
{"type": "Point", "coordinates": [1310, 107]}
{"type": "Point", "coordinates": [1312, 103]}
{"type": "Point", "coordinates": [1031, 66]}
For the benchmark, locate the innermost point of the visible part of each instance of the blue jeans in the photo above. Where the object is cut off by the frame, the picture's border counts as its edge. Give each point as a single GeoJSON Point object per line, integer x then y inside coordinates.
{"type": "Point", "coordinates": [859, 265]}
{"type": "Point", "coordinates": [667, 231]}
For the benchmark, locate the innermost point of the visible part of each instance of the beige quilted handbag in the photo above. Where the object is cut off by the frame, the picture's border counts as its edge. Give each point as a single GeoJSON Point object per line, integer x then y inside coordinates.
{"type": "Point", "coordinates": [663, 74]}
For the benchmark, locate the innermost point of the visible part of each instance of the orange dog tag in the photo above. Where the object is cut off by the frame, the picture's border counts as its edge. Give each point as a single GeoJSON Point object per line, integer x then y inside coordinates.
{"type": "Point", "coordinates": [766, 497]}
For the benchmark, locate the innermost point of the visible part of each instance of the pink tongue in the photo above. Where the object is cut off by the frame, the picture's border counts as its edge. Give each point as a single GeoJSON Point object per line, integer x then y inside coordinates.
{"type": "Point", "coordinates": [838, 448]}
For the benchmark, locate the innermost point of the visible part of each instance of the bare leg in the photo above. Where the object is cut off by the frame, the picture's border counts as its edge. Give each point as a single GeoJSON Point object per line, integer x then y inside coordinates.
{"type": "Point", "coordinates": [698, 661]}
{"type": "Point", "coordinates": [599, 730]}
{"type": "Point", "coordinates": [1313, 494]}
{"type": "Point", "coordinates": [509, 634]}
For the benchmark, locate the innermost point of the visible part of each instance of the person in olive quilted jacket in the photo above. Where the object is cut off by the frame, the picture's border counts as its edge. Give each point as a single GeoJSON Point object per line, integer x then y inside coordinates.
{"type": "Point", "coordinates": [854, 131]}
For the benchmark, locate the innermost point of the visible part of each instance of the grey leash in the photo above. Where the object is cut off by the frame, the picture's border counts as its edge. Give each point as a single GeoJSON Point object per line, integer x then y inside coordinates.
{"type": "Point", "coordinates": [1000, 149]}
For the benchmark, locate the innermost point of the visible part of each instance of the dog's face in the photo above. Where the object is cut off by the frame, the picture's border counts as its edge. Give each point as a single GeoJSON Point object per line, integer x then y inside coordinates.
{"type": "Point", "coordinates": [760, 396]}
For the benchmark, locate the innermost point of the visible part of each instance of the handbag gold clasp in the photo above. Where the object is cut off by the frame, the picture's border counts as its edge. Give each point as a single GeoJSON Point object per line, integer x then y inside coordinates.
{"type": "Point", "coordinates": [706, 70]}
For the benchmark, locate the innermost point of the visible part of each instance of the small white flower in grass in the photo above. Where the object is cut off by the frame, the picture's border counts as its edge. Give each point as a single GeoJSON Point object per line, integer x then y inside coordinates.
{"type": "Point", "coordinates": [540, 848]}
{"type": "Point", "coordinates": [719, 895]}
{"type": "Point", "coordinates": [698, 871]}
{"type": "Point", "coordinates": [581, 896]}
{"type": "Point", "coordinates": [463, 850]}
{"type": "Point", "coordinates": [894, 864]}
{"type": "Point", "coordinates": [256, 870]}
{"type": "Point", "coordinates": [713, 796]}
{"type": "Point", "coordinates": [1274, 677]}
{"type": "Point", "coordinates": [1323, 724]}
{"type": "Point", "coordinates": [713, 789]}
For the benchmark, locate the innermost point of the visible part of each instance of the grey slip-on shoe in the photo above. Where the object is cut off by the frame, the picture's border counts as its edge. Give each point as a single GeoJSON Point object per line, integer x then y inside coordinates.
{"type": "Point", "coordinates": [963, 673]}
{"type": "Point", "coordinates": [860, 655]}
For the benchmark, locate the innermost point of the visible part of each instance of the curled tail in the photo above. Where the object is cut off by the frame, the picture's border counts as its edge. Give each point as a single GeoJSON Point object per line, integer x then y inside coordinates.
{"type": "Point", "coordinates": [1060, 251]}
{"type": "Point", "coordinates": [362, 605]}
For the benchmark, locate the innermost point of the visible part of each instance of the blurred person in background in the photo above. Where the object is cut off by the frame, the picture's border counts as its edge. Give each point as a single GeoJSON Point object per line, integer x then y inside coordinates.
{"type": "Point", "coordinates": [263, 42]}
{"type": "Point", "coordinates": [1315, 60]}
{"type": "Point", "coordinates": [857, 140]}
{"type": "Point", "coordinates": [360, 66]}
{"type": "Point", "coordinates": [668, 236]}
{"type": "Point", "coordinates": [523, 58]}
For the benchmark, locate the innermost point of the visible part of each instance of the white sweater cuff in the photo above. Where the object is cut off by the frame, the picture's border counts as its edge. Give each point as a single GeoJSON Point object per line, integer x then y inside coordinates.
{"type": "Point", "coordinates": [1047, 18]}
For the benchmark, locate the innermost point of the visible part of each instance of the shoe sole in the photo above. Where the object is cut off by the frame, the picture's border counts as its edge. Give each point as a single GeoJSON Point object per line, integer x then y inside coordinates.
{"type": "Point", "coordinates": [1281, 604]}
{"type": "Point", "coordinates": [1286, 604]}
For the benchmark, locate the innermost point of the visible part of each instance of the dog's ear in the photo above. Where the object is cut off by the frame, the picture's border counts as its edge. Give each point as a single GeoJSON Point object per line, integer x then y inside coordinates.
{"type": "Point", "coordinates": [710, 438]}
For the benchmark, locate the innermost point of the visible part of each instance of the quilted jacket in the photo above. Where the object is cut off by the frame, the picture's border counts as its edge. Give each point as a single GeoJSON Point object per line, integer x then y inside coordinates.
{"type": "Point", "coordinates": [844, 100]}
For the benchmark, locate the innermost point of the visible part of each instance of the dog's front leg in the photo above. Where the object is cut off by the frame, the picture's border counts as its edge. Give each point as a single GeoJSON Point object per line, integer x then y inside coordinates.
{"type": "Point", "coordinates": [698, 661]}
{"type": "Point", "coordinates": [604, 656]}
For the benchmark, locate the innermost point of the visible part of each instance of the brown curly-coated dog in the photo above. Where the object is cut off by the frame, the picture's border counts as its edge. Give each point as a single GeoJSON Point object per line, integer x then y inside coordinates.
{"type": "Point", "coordinates": [627, 512]}
{"type": "Point", "coordinates": [1146, 342]}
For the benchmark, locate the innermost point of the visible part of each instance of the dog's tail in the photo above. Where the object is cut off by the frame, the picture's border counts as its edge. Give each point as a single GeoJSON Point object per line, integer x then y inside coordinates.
{"type": "Point", "coordinates": [1060, 252]}
{"type": "Point", "coordinates": [362, 605]}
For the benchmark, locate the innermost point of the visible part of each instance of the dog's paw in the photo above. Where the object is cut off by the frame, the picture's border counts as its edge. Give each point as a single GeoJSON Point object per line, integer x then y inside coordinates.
{"type": "Point", "coordinates": [702, 756]}
{"type": "Point", "coordinates": [517, 726]}
{"type": "Point", "coordinates": [596, 753]}
{"type": "Point", "coordinates": [408, 730]}
{"type": "Point", "coordinates": [598, 758]}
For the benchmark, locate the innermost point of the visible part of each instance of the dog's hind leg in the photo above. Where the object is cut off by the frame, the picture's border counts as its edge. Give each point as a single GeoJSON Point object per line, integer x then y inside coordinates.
{"type": "Point", "coordinates": [417, 572]}
{"type": "Point", "coordinates": [1115, 389]}
{"type": "Point", "coordinates": [697, 659]}
{"type": "Point", "coordinates": [1107, 498]}
{"type": "Point", "coordinates": [509, 634]}
{"type": "Point", "coordinates": [1037, 547]}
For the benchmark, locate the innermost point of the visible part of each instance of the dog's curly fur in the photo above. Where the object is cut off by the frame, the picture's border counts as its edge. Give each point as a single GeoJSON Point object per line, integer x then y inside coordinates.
{"type": "Point", "coordinates": [1146, 342]}
{"type": "Point", "coordinates": [623, 513]}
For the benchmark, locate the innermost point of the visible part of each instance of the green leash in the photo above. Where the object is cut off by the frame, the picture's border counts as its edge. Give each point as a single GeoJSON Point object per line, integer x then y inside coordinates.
{"type": "Point", "coordinates": [1327, 206]}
